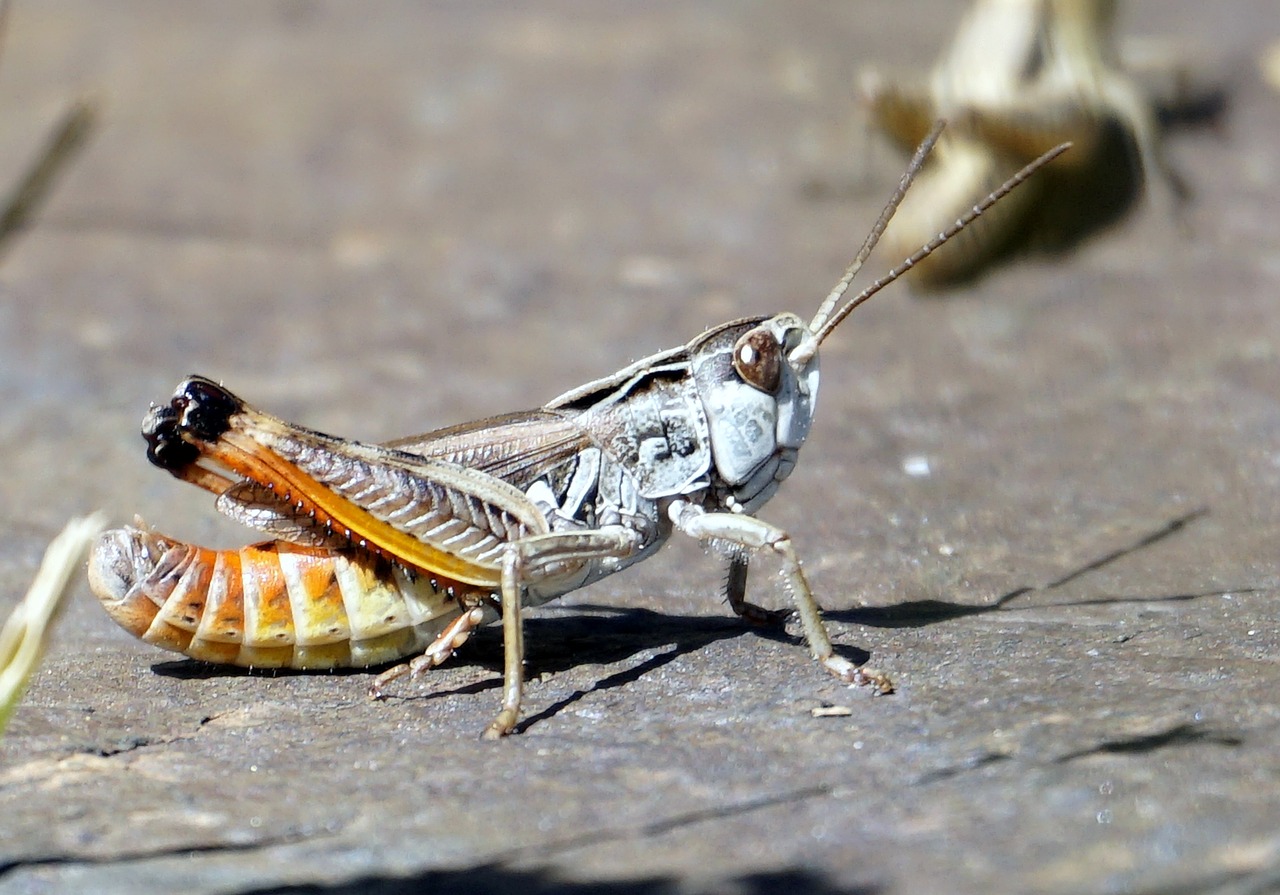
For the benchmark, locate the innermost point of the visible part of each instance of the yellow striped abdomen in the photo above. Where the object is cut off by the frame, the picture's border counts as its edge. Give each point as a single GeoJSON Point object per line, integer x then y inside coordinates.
{"type": "Point", "coordinates": [269, 605]}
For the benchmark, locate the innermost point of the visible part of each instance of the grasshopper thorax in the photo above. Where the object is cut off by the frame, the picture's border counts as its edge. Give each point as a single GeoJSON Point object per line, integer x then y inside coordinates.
{"type": "Point", "coordinates": [758, 383]}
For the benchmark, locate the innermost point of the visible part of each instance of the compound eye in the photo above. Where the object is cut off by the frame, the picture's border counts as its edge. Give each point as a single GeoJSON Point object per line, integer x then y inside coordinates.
{"type": "Point", "coordinates": [757, 358]}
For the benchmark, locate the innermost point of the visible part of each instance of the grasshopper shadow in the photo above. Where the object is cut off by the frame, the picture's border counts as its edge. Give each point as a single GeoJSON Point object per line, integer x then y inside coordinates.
{"type": "Point", "coordinates": [496, 879]}
{"type": "Point", "coordinates": [920, 613]}
{"type": "Point", "coordinates": [606, 635]}
{"type": "Point", "coordinates": [589, 637]}
{"type": "Point", "coordinates": [582, 634]}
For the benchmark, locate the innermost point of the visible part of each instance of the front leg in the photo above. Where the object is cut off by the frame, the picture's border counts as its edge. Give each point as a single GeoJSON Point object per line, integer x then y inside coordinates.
{"type": "Point", "coordinates": [755, 534]}
{"type": "Point", "coordinates": [539, 559]}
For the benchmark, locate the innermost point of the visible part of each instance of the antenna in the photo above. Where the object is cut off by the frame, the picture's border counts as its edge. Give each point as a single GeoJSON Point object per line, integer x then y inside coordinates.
{"type": "Point", "coordinates": [869, 244]}
{"type": "Point", "coordinates": [825, 327]}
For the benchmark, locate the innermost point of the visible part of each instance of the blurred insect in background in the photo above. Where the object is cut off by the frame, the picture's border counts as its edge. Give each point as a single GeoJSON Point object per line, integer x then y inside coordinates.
{"type": "Point", "coordinates": [1020, 77]}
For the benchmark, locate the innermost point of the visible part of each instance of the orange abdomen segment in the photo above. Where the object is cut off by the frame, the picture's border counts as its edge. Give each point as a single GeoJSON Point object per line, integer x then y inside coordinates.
{"type": "Point", "coordinates": [320, 616]}
{"type": "Point", "coordinates": [223, 618]}
{"type": "Point", "coordinates": [268, 605]}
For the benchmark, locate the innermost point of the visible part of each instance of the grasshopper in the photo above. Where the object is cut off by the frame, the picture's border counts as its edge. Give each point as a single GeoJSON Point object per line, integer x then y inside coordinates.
{"type": "Point", "coordinates": [1019, 77]}
{"type": "Point", "coordinates": [391, 550]}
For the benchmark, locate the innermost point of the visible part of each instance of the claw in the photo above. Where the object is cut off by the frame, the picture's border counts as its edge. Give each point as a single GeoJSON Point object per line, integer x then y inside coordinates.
{"type": "Point", "coordinates": [761, 617]}
{"type": "Point", "coordinates": [860, 675]}
{"type": "Point", "coordinates": [881, 683]}
{"type": "Point", "coordinates": [502, 725]}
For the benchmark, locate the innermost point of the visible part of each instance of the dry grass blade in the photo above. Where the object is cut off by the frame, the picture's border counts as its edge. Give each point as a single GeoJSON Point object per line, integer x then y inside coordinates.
{"type": "Point", "coordinates": [23, 635]}
{"type": "Point", "coordinates": [68, 138]}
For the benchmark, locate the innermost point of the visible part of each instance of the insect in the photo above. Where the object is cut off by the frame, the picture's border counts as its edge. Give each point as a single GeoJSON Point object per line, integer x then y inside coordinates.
{"type": "Point", "coordinates": [1020, 77]}
{"type": "Point", "coordinates": [387, 551]}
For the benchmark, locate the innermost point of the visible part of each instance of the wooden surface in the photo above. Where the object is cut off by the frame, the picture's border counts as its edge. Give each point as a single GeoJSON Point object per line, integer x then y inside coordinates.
{"type": "Point", "coordinates": [375, 219]}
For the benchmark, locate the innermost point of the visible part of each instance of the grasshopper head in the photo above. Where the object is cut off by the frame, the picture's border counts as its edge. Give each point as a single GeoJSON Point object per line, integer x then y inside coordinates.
{"type": "Point", "coordinates": [758, 380]}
